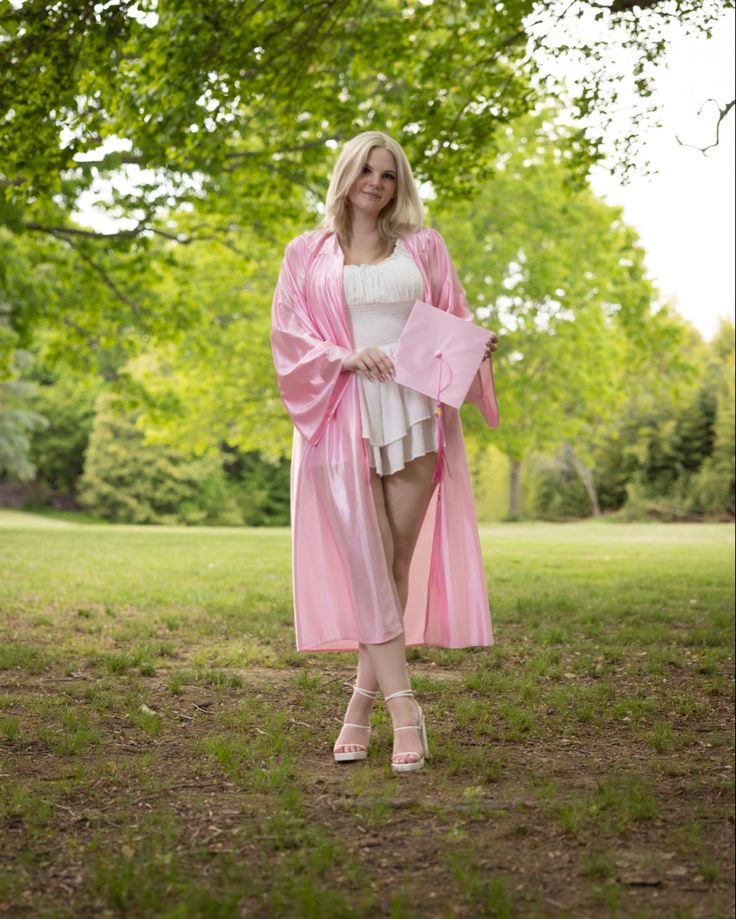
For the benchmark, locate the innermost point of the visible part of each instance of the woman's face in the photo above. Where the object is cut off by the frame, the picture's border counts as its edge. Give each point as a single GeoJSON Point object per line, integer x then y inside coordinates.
{"type": "Point", "coordinates": [376, 185]}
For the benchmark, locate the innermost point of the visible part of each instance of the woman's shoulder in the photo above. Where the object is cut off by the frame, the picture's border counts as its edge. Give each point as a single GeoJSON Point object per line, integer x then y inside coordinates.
{"type": "Point", "coordinates": [423, 234]}
{"type": "Point", "coordinates": [307, 242]}
{"type": "Point", "coordinates": [307, 237]}
{"type": "Point", "coordinates": [426, 240]}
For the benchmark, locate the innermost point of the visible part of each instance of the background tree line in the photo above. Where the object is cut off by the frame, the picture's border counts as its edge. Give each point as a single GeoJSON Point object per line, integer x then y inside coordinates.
{"type": "Point", "coordinates": [135, 366]}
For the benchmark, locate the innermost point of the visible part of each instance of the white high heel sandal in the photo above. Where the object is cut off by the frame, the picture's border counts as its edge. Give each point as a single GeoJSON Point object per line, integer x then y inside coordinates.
{"type": "Point", "coordinates": [421, 730]}
{"type": "Point", "coordinates": [353, 755]}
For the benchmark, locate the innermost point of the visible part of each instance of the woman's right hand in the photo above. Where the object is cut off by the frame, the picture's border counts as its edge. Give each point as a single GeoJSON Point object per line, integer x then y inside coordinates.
{"type": "Point", "coordinates": [373, 363]}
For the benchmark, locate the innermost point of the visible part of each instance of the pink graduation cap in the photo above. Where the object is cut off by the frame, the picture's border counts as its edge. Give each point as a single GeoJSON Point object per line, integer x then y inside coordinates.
{"type": "Point", "coordinates": [438, 354]}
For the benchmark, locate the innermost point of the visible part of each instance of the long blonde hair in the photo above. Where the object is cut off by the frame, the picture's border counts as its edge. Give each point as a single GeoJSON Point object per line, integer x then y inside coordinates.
{"type": "Point", "coordinates": [403, 213]}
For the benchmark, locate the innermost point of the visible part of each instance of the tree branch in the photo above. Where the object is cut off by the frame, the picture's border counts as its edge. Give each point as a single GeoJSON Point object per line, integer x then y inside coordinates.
{"type": "Point", "coordinates": [188, 240]}
{"type": "Point", "coordinates": [309, 145]}
{"type": "Point", "coordinates": [110, 375]}
{"type": "Point", "coordinates": [65, 232]}
{"type": "Point", "coordinates": [60, 232]}
{"type": "Point", "coordinates": [107, 280]}
{"type": "Point", "coordinates": [628, 6]}
{"type": "Point", "coordinates": [722, 114]}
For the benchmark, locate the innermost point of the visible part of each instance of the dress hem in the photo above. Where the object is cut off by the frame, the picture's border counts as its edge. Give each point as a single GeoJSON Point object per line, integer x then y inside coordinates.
{"type": "Point", "coordinates": [411, 459]}
{"type": "Point", "coordinates": [413, 644]}
{"type": "Point", "coordinates": [388, 443]}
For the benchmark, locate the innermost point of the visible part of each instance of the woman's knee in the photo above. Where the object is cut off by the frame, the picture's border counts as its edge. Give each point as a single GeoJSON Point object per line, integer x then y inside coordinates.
{"type": "Point", "coordinates": [400, 568]}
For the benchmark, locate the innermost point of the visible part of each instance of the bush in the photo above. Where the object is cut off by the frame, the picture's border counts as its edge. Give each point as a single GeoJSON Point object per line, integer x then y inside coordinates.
{"type": "Point", "coordinates": [560, 493]}
{"type": "Point", "coordinates": [714, 487]}
{"type": "Point", "coordinates": [261, 489]}
{"type": "Point", "coordinates": [128, 481]}
{"type": "Point", "coordinates": [57, 451]}
{"type": "Point", "coordinates": [643, 500]}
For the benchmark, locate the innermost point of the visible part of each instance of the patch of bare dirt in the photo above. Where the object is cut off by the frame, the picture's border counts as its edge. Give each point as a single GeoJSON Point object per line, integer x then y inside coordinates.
{"type": "Point", "coordinates": [403, 838]}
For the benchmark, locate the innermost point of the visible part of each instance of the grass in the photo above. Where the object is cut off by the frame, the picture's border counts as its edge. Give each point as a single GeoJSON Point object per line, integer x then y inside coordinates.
{"type": "Point", "coordinates": [164, 750]}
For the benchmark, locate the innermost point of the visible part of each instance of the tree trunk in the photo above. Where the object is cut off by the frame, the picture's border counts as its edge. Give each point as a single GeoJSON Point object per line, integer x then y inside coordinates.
{"type": "Point", "coordinates": [586, 475]}
{"type": "Point", "coordinates": [514, 489]}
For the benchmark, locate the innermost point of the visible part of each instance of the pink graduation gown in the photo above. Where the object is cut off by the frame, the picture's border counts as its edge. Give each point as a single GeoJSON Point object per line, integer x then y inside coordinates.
{"type": "Point", "coordinates": [340, 579]}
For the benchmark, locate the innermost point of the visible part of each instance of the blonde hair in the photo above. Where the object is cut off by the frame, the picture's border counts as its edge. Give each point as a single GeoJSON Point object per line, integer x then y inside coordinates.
{"type": "Point", "coordinates": [403, 213]}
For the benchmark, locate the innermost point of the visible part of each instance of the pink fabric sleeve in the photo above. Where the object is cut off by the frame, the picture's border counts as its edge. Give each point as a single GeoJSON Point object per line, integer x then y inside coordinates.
{"type": "Point", "coordinates": [448, 293]}
{"type": "Point", "coordinates": [308, 368]}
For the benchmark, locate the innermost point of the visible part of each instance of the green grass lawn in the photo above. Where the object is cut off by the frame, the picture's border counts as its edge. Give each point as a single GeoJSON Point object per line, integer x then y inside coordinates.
{"type": "Point", "coordinates": [165, 752]}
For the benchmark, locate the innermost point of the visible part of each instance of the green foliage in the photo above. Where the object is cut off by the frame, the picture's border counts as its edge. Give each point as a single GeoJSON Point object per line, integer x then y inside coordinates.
{"type": "Point", "coordinates": [680, 454]}
{"type": "Point", "coordinates": [200, 90]}
{"type": "Point", "coordinates": [671, 454]}
{"type": "Point", "coordinates": [489, 474]}
{"type": "Point", "coordinates": [57, 450]}
{"type": "Point", "coordinates": [15, 427]}
{"type": "Point", "coordinates": [214, 383]}
{"type": "Point", "coordinates": [155, 111]}
{"type": "Point", "coordinates": [715, 484]}
{"type": "Point", "coordinates": [261, 488]}
{"type": "Point", "coordinates": [66, 306]}
{"type": "Point", "coordinates": [17, 423]}
{"type": "Point", "coordinates": [128, 481]}
{"type": "Point", "coordinates": [559, 493]}
{"type": "Point", "coordinates": [562, 278]}
{"type": "Point", "coordinates": [238, 118]}
{"type": "Point", "coordinates": [204, 90]}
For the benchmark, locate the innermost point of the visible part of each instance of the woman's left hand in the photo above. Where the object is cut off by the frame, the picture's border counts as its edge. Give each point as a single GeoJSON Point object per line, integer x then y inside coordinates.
{"type": "Point", "coordinates": [491, 346]}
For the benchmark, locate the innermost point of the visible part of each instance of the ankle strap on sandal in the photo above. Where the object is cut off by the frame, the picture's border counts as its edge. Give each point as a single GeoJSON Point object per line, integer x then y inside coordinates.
{"type": "Point", "coordinates": [401, 692]}
{"type": "Point", "coordinates": [366, 692]}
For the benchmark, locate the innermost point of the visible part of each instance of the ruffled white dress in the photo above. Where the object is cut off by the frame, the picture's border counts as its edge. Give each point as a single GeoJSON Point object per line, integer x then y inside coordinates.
{"type": "Point", "coordinates": [399, 423]}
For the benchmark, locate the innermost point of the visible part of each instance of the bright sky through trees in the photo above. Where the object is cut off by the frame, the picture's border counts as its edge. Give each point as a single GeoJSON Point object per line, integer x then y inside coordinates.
{"type": "Point", "coordinates": [685, 213]}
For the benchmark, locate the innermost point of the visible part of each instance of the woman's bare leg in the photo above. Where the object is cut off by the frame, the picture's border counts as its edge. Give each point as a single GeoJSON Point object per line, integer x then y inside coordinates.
{"type": "Point", "coordinates": [407, 495]}
{"type": "Point", "coordinates": [401, 503]}
{"type": "Point", "coordinates": [405, 498]}
{"type": "Point", "coordinates": [359, 709]}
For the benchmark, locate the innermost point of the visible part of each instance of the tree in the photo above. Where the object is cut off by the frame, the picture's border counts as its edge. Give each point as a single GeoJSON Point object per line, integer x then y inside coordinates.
{"type": "Point", "coordinates": [64, 304]}
{"type": "Point", "coordinates": [18, 421]}
{"type": "Point", "coordinates": [236, 110]}
{"type": "Point", "coordinates": [715, 485]}
{"type": "Point", "coordinates": [667, 454]}
{"type": "Point", "coordinates": [200, 91]}
{"type": "Point", "coordinates": [215, 383]}
{"type": "Point", "coordinates": [16, 426]}
{"type": "Point", "coordinates": [127, 481]}
{"type": "Point", "coordinates": [57, 450]}
{"type": "Point", "coordinates": [562, 278]}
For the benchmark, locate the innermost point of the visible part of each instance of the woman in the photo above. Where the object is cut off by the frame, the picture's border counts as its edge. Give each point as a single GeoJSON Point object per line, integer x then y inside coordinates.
{"type": "Point", "coordinates": [383, 556]}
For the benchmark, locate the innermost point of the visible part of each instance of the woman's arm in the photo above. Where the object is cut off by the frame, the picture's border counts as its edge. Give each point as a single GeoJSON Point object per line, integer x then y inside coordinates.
{"type": "Point", "coordinates": [309, 370]}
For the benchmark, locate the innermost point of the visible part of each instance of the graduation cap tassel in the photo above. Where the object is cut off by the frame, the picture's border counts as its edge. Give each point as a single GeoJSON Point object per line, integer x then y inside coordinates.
{"type": "Point", "coordinates": [437, 477]}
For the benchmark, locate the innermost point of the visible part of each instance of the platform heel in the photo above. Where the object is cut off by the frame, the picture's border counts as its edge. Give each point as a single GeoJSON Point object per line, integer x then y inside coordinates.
{"type": "Point", "coordinates": [420, 728]}
{"type": "Point", "coordinates": [351, 756]}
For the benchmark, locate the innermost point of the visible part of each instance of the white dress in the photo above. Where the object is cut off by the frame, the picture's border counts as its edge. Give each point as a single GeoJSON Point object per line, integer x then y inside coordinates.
{"type": "Point", "coordinates": [398, 422]}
